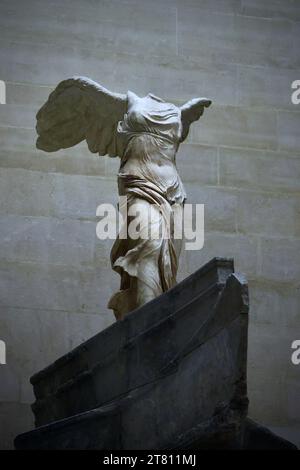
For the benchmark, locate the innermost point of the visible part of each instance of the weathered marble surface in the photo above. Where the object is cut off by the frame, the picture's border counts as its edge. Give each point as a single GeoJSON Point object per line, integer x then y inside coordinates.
{"type": "Point", "coordinates": [145, 132]}
{"type": "Point", "coordinates": [135, 351]}
{"type": "Point", "coordinates": [173, 370]}
{"type": "Point", "coordinates": [247, 69]}
{"type": "Point", "coordinates": [171, 375]}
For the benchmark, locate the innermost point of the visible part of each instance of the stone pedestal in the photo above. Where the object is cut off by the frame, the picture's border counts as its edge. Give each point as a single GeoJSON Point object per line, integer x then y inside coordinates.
{"type": "Point", "coordinates": [171, 375]}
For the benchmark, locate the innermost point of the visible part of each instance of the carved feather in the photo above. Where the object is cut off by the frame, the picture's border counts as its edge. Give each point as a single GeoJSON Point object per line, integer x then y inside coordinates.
{"type": "Point", "coordinates": [80, 109]}
{"type": "Point", "coordinates": [191, 112]}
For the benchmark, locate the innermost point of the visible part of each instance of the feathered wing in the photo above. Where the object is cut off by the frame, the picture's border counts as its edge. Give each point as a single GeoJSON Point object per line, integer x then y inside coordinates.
{"type": "Point", "coordinates": [191, 112]}
{"type": "Point", "coordinates": [80, 109]}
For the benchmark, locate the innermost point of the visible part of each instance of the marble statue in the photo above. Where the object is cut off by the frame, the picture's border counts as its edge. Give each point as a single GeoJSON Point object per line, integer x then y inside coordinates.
{"type": "Point", "coordinates": [145, 133]}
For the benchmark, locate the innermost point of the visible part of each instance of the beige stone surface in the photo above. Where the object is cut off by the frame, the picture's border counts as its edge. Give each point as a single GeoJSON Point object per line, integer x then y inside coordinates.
{"type": "Point", "coordinates": [242, 161]}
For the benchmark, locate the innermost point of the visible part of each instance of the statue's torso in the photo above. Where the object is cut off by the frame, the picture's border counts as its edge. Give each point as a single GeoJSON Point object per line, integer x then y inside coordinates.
{"type": "Point", "coordinates": [149, 135]}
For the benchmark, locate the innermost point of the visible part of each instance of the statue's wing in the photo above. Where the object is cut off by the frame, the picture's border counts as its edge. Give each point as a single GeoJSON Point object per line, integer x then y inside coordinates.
{"type": "Point", "coordinates": [80, 109]}
{"type": "Point", "coordinates": [190, 112]}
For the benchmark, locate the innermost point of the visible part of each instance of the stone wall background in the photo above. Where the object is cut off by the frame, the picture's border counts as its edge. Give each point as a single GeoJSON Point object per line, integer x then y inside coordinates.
{"type": "Point", "coordinates": [241, 160]}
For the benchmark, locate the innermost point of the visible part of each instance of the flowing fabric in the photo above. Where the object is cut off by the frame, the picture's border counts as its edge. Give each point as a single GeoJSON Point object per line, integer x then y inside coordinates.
{"type": "Point", "coordinates": [149, 135]}
{"type": "Point", "coordinates": [145, 133]}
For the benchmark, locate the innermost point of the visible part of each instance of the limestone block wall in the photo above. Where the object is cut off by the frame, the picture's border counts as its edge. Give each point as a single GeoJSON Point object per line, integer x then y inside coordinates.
{"type": "Point", "coordinates": [241, 160]}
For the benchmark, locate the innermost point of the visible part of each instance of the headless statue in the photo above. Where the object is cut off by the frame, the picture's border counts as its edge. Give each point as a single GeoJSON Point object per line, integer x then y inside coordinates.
{"type": "Point", "coordinates": [145, 133]}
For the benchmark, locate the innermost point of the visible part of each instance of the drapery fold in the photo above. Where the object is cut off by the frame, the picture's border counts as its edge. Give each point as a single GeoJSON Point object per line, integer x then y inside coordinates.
{"type": "Point", "coordinates": [150, 260]}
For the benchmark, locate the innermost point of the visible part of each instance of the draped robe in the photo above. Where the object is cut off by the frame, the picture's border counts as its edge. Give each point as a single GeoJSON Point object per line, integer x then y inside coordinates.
{"type": "Point", "coordinates": [148, 138]}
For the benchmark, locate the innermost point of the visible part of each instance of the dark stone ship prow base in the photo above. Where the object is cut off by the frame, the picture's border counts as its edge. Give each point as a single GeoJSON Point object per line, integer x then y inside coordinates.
{"type": "Point", "coordinates": [171, 375]}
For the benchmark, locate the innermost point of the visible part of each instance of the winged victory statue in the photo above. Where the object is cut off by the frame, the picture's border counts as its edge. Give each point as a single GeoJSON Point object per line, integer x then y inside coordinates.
{"type": "Point", "coordinates": [145, 133]}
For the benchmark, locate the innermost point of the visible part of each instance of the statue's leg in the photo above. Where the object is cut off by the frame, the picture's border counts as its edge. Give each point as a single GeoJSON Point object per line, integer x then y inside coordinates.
{"type": "Point", "coordinates": [154, 270]}
{"type": "Point", "coordinates": [148, 265]}
{"type": "Point", "coordinates": [144, 293]}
